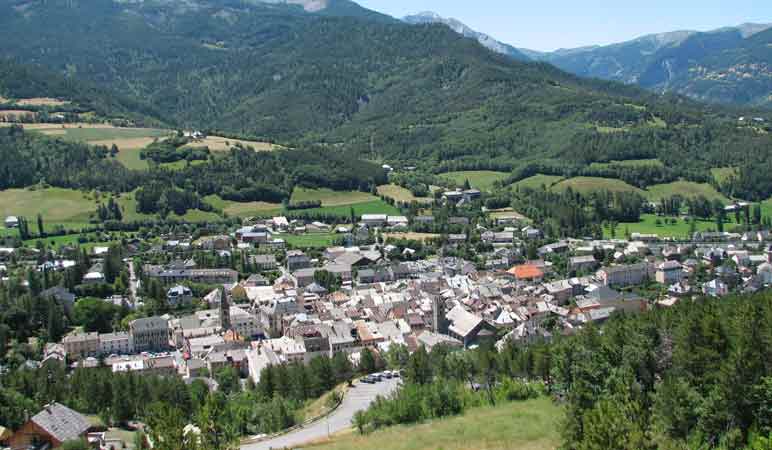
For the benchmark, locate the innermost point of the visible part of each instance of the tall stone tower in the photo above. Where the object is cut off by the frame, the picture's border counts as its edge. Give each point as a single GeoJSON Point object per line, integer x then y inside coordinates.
{"type": "Point", "coordinates": [440, 321]}
{"type": "Point", "coordinates": [225, 310]}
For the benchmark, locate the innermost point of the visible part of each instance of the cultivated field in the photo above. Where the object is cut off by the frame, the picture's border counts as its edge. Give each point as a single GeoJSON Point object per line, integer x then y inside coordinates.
{"type": "Point", "coordinates": [478, 179]}
{"type": "Point", "coordinates": [400, 194]}
{"type": "Point", "coordinates": [686, 189]}
{"type": "Point", "coordinates": [41, 101]}
{"type": "Point", "coordinates": [66, 207]}
{"type": "Point", "coordinates": [528, 425]}
{"type": "Point", "coordinates": [220, 144]}
{"type": "Point", "coordinates": [586, 185]}
{"type": "Point", "coordinates": [539, 180]}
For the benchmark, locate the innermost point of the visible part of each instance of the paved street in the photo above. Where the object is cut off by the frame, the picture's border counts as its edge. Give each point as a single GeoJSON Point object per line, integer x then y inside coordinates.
{"type": "Point", "coordinates": [358, 398]}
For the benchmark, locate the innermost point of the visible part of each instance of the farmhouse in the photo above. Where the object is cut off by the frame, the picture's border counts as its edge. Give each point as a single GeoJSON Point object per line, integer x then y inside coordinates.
{"type": "Point", "coordinates": [53, 426]}
{"type": "Point", "coordinates": [374, 220]}
{"type": "Point", "coordinates": [11, 222]}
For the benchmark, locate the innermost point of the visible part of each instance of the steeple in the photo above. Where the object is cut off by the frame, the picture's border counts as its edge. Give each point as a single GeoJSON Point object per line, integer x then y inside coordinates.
{"type": "Point", "coordinates": [225, 311]}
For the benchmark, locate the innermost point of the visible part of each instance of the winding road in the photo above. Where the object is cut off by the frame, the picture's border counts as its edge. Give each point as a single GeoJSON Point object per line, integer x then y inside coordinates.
{"type": "Point", "coordinates": [357, 398]}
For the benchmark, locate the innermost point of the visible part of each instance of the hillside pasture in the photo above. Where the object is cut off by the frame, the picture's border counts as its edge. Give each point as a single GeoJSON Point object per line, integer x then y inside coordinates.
{"type": "Point", "coordinates": [585, 185]}
{"type": "Point", "coordinates": [537, 181]}
{"type": "Point", "coordinates": [66, 207]}
{"type": "Point", "coordinates": [222, 144]}
{"type": "Point", "coordinates": [527, 425]}
{"type": "Point", "coordinates": [328, 197]}
{"type": "Point", "coordinates": [344, 211]}
{"type": "Point", "coordinates": [244, 209]}
{"type": "Point", "coordinates": [686, 189]}
{"type": "Point", "coordinates": [478, 179]}
{"type": "Point", "coordinates": [400, 194]}
{"type": "Point", "coordinates": [721, 174]}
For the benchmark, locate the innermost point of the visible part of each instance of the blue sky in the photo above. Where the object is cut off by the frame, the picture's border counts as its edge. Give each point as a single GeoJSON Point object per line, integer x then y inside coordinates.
{"type": "Point", "coordinates": [548, 25]}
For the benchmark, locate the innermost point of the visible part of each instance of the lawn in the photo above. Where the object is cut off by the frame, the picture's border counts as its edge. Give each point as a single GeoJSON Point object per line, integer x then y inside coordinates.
{"type": "Point", "coordinates": [528, 425]}
{"type": "Point", "coordinates": [478, 179]}
{"type": "Point", "coordinates": [310, 240]}
{"type": "Point", "coordinates": [423, 237]}
{"type": "Point", "coordinates": [539, 180]}
{"type": "Point", "coordinates": [66, 207]}
{"type": "Point", "coordinates": [586, 185]}
{"type": "Point", "coordinates": [686, 189]}
{"type": "Point", "coordinates": [328, 197]}
{"type": "Point", "coordinates": [400, 194]}
{"type": "Point", "coordinates": [648, 225]}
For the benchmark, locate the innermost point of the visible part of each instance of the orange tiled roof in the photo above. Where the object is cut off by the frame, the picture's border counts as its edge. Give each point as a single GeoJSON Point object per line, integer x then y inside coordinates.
{"type": "Point", "coordinates": [526, 272]}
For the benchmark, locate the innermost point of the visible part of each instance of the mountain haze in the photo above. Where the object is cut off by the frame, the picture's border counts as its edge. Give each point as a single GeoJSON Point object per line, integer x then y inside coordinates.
{"type": "Point", "coordinates": [730, 65]}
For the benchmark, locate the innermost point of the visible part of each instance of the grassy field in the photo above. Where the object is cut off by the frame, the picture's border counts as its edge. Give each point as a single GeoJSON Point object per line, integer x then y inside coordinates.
{"type": "Point", "coordinates": [720, 174]}
{"type": "Point", "coordinates": [529, 425]}
{"type": "Point", "coordinates": [245, 209]}
{"type": "Point", "coordinates": [328, 197]}
{"type": "Point", "coordinates": [400, 194]}
{"type": "Point", "coordinates": [221, 144]}
{"type": "Point", "coordinates": [310, 240]}
{"type": "Point", "coordinates": [372, 207]}
{"type": "Point", "coordinates": [537, 181]}
{"type": "Point", "coordinates": [648, 225]}
{"type": "Point", "coordinates": [65, 207]}
{"type": "Point", "coordinates": [685, 189]}
{"type": "Point", "coordinates": [478, 179]}
{"type": "Point", "coordinates": [128, 137]}
{"type": "Point", "coordinates": [586, 185]}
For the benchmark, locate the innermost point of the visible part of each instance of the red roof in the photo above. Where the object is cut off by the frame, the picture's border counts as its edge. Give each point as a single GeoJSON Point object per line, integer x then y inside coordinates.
{"type": "Point", "coordinates": [526, 272]}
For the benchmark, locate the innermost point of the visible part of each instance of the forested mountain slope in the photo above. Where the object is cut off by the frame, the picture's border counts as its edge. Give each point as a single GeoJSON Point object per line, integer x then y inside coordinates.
{"type": "Point", "coordinates": [19, 81]}
{"type": "Point", "coordinates": [731, 65]}
{"type": "Point", "coordinates": [386, 91]}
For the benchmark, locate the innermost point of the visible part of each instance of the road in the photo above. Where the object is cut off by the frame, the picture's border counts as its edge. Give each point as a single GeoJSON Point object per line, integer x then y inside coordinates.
{"type": "Point", "coordinates": [133, 283]}
{"type": "Point", "coordinates": [358, 398]}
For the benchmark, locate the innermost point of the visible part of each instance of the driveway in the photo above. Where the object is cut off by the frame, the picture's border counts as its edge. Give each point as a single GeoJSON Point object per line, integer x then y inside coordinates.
{"type": "Point", "coordinates": [358, 398]}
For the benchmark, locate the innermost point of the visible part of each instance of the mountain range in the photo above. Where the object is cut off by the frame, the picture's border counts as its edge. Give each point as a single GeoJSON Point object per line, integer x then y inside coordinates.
{"type": "Point", "coordinates": [340, 78]}
{"type": "Point", "coordinates": [731, 65]}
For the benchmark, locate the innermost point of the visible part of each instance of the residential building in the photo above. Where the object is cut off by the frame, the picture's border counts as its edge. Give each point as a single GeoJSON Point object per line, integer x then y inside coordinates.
{"type": "Point", "coordinates": [11, 222]}
{"type": "Point", "coordinates": [51, 427]}
{"type": "Point", "coordinates": [297, 260]}
{"type": "Point", "coordinates": [81, 345]}
{"type": "Point", "coordinates": [582, 263]}
{"type": "Point", "coordinates": [167, 275]}
{"type": "Point", "coordinates": [374, 220]}
{"type": "Point", "coordinates": [119, 343]}
{"type": "Point", "coordinates": [623, 276]}
{"type": "Point", "coordinates": [264, 263]}
{"type": "Point", "coordinates": [179, 295]}
{"type": "Point", "coordinates": [669, 272]}
{"type": "Point", "coordinates": [149, 334]}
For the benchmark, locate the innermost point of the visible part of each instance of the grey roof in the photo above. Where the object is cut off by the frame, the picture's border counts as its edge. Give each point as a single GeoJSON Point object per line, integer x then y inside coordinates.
{"type": "Point", "coordinates": [149, 323]}
{"type": "Point", "coordinates": [61, 422]}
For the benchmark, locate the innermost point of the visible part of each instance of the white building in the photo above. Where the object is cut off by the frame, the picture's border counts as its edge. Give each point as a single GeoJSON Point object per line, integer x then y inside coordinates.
{"type": "Point", "coordinates": [115, 344]}
{"type": "Point", "coordinates": [11, 222]}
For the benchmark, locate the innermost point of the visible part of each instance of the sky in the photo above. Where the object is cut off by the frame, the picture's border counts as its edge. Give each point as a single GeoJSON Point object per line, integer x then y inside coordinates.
{"type": "Point", "coordinates": [549, 25]}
